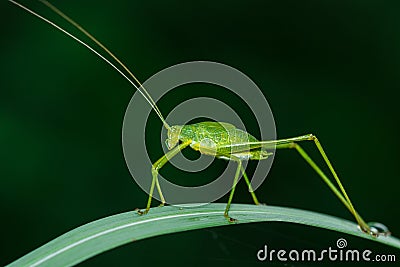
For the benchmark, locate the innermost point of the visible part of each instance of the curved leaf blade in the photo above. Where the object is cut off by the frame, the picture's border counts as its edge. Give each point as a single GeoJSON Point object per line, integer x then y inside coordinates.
{"type": "Point", "coordinates": [104, 234]}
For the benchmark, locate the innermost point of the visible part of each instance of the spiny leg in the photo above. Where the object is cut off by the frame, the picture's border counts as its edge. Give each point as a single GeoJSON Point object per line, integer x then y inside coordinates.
{"type": "Point", "coordinates": [235, 180]}
{"type": "Point", "coordinates": [253, 195]}
{"type": "Point", "coordinates": [235, 158]}
{"type": "Point", "coordinates": [343, 197]}
{"type": "Point", "coordinates": [308, 159]}
{"type": "Point", "coordinates": [154, 170]}
{"type": "Point", "coordinates": [291, 143]}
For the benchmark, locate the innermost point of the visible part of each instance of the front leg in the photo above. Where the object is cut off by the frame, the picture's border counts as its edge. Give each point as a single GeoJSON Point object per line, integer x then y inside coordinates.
{"type": "Point", "coordinates": [235, 180]}
{"type": "Point", "coordinates": [154, 171]}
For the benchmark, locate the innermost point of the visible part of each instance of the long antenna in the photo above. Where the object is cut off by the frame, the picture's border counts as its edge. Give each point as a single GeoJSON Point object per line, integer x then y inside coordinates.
{"type": "Point", "coordinates": [137, 86]}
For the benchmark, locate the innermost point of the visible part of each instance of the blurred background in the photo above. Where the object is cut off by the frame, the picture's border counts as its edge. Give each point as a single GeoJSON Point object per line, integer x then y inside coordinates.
{"type": "Point", "coordinates": [330, 68]}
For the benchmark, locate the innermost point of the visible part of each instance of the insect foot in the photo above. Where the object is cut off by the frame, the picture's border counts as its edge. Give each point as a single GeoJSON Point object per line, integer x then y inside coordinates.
{"type": "Point", "coordinates": [141, 212]}
{"type": "Point", "coordinates": [230, 219]}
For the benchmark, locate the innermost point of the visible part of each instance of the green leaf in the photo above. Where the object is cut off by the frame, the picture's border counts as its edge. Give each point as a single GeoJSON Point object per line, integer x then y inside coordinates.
{"type": "Point", "coordinates": [96, 237]}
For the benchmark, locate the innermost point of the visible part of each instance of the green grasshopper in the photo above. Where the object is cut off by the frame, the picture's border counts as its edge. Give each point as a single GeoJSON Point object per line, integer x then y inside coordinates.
{"type": "Point", "coordinates": [225, 141]}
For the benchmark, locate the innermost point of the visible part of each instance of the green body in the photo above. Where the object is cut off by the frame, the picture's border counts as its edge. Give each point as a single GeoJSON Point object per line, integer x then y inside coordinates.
{"type": "Point", "coordinates": [216, 139]}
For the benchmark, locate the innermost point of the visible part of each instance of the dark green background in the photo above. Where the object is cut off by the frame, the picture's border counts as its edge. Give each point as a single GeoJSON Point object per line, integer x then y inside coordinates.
{"type": "Point", "coordinates": [326, 67]}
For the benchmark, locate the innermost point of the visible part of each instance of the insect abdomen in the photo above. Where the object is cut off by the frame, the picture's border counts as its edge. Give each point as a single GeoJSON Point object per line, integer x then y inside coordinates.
{"type": "Point", "coordinates": [214, 136]}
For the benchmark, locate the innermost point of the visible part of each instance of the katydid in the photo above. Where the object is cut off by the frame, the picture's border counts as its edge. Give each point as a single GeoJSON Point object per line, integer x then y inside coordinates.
{"type": "Point", "coordinates": [224, 140]}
